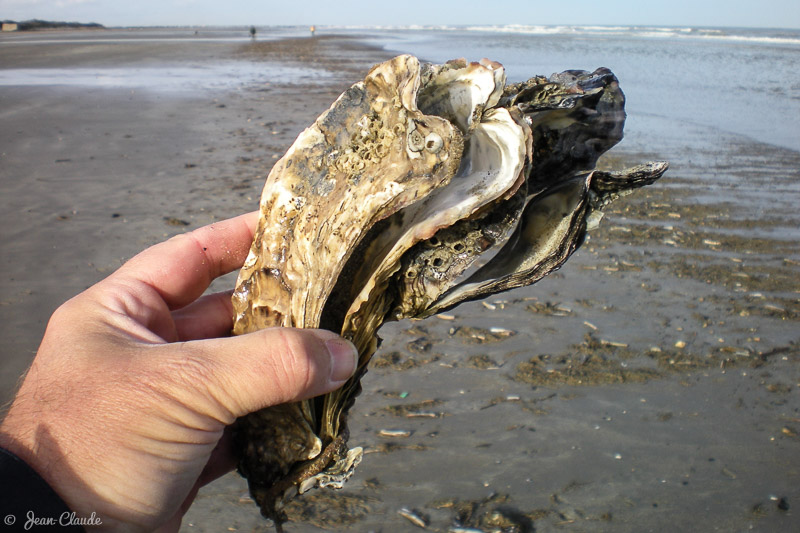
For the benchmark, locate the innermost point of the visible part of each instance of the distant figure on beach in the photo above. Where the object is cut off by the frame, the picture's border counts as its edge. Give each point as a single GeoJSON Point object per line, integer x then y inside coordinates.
{"type": "Point", "coordinates": [253, 32]}
{"type": "Point", "coordinates": [313, 29]}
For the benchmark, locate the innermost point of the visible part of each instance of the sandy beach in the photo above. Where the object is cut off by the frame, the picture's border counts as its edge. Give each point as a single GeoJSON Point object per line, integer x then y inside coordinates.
{"type": "Point", "coordinates": [649, 385]}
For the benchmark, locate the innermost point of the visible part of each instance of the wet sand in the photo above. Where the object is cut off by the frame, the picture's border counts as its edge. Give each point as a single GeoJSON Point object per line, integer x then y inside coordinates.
{"type": "Point", "coordinates": [649, 385]}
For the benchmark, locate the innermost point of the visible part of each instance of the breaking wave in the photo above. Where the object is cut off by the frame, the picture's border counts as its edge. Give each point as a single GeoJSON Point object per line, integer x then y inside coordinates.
{"type": "Point", "coordinates": [749, 35]}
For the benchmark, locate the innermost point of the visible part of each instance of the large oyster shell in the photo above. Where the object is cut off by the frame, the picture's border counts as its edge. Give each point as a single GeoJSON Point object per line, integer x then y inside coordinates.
{"type": "Point", "coordinates": [380, 210]}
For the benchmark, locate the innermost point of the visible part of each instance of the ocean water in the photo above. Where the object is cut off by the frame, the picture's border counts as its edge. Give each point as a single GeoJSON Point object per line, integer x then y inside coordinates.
{"type": "Point", "coordinates": [710, 82]}
{"type": "Point", "coordinates": [714, 82]}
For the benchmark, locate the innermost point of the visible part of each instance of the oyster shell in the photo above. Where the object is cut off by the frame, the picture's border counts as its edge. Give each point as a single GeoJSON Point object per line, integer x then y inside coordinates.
{"type": "Point", "coordinates": [382, 208]}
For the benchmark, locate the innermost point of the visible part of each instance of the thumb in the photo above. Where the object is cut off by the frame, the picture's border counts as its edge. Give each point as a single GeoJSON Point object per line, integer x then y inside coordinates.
{"type": "Point", "coordinates": [277, 365]}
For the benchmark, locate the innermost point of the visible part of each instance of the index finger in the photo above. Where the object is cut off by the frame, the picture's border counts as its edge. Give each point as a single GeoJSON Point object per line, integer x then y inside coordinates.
{"type": "Point", "coordinates": [181, 268]}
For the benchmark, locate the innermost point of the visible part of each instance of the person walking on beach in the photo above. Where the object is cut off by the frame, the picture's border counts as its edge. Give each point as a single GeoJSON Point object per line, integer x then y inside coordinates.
{"type": "Point", "coordinates": [253, 32]}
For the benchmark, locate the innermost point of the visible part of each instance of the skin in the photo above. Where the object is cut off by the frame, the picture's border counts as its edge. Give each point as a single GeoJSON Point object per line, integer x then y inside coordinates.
{"type": "Point", "coordinates": [125, 407]}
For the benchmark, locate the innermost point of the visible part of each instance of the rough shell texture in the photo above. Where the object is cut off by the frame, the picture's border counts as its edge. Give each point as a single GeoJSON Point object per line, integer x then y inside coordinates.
{"type": "Point", "coordinates": [380, 210]}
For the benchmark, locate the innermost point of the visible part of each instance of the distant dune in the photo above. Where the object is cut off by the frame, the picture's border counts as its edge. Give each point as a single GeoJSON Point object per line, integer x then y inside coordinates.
{"type": "Point", "coordinates": [35, 24]}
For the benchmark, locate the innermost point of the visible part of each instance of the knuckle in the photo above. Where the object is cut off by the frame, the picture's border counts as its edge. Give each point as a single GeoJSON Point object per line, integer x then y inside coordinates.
{"type": "Point", "coordinates": [296, 369]}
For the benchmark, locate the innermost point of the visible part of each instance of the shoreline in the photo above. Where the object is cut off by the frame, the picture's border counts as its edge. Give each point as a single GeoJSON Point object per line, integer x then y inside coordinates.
{"type": "Point", "coordinates": [558, 422]}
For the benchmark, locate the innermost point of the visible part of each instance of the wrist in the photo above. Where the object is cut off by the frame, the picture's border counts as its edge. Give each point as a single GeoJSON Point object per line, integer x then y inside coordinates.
{"type": "Point", "coordinates": [30, 439]}
{"type": "Point", "coordinates": [28, 501]}
{"type": "Point", "coordinates": [17, 440]}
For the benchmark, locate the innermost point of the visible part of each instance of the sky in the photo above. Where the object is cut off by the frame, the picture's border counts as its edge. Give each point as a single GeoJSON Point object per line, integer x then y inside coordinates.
{"type": "Point", "coordinates": [681, 13]}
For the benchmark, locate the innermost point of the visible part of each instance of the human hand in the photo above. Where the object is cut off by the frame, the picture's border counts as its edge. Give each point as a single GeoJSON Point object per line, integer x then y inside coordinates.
{"type": "Point", "coordinates": [124, 408]}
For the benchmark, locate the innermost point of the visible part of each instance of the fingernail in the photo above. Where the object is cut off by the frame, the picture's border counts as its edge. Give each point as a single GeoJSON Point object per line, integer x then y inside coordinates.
{"type": "Point", "coordinates": [344, 358]}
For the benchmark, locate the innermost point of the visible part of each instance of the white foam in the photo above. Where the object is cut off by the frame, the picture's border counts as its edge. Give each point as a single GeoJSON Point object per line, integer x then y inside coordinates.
{"type": "Point", "coordinates": [643, 32]}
